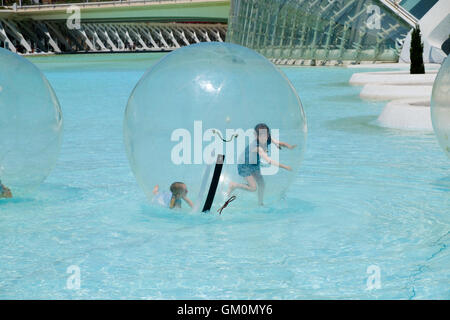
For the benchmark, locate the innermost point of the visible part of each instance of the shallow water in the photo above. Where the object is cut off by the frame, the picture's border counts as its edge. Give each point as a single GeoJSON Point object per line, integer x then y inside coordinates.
{"type": "Point", "coordinates": [364, 196]}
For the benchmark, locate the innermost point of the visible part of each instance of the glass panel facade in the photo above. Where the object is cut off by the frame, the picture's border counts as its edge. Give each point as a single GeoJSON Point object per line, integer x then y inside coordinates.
{"type": "Point", "coordinates": [418, 8]}
{"type": "Point", "coordinates": [318, 30]}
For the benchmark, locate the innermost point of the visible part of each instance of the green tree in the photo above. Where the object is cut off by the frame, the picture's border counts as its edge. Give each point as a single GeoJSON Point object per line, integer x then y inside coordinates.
{"type": "Point", "coordinates": [416, 52]}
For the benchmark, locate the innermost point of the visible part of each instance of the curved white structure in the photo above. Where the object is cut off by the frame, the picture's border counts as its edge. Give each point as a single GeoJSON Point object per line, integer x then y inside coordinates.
{"type": "Point", "coordinates": [440, 107]}
{"type": "Point", "coordinates": [406, 114]}
{"type": "Point", "coordinates": [393, 78]}
{"type": "Point", "coordinates": [411, 94]}
{"type": "Point", "coordinates": [380, 92]}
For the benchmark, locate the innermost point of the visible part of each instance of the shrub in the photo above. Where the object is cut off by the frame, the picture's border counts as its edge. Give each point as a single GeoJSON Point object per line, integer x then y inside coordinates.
{"type": "Point", "coordinates": [416, 52]}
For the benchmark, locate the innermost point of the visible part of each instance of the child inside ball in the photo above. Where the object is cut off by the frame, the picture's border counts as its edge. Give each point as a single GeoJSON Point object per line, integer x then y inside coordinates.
{"type": "Point", "coordinates": [4, 191]}
{"type": "Point", "coordinates": [172, 199]}
{"type": "Point", "coordinates": [249, 166]}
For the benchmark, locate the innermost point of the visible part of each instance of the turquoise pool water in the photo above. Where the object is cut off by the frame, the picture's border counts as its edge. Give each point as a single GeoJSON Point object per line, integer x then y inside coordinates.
{"type": "Point", "coordinates": [365, 196]}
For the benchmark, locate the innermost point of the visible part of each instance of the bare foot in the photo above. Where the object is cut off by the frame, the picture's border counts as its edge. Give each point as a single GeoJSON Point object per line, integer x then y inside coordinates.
{"type": "Point", "coordinates": [156, 189]}
{"type": "Point", "coordinates": [231, 188]}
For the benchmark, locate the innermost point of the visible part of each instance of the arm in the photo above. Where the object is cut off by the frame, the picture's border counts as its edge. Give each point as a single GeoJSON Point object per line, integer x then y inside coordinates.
{"type": "Point", "coordinates": [280, 144]}
{"type": "Point", "coordinates": [188, 201]}
{"type": "Point", "coordinates": [264, 155]}
{"type": "Point", "coordinates": [172, 202]}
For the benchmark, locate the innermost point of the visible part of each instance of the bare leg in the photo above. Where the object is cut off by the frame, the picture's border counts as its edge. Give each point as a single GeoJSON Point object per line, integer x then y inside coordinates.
{"type": "Point", "coordinates": [261, 186]}
{"type": "Point", "coordinates": [250, 186]}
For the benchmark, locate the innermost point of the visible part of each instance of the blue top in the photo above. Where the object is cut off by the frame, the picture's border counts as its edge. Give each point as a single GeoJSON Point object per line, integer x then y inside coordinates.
{"type": "Point", "coordinates": [250, 154]}
{"type": "Point", "coordinates": [162, 198]}
{"type": "Point", "coordinates": [247, 165]}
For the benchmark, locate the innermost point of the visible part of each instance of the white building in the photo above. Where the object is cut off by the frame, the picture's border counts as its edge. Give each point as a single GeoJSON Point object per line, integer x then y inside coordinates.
{"type": "Point", "coordinates": [434, 20]}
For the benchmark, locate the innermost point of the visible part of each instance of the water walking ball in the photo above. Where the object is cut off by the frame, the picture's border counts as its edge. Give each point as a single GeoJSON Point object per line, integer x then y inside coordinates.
{"type": "Point", "coordinates": [30, 124]}
{"type": "Point", "coordinates": [192, 116]}
{"type": "Point", "coordinates": [440, 106]}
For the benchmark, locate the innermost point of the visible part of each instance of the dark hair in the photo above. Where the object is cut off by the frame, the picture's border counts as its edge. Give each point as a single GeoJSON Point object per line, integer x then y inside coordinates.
{"type": "Point", "coordinates": [263, 126]}
{"type": "Point", "coordinates": [176, 187]}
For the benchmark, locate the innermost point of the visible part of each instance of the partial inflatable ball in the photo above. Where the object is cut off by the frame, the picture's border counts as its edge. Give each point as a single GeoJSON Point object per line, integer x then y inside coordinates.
{"type": "Point", "coordinates": [440, 106]}
{"type": "Point", "coordinates": [30, 125]}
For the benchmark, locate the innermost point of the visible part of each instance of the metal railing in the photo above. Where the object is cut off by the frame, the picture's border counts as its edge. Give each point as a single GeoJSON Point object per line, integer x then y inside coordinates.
{"type": "Point", "coordinates": [30, 4]}
{"type": "Point", "coordinates": [395, 6]}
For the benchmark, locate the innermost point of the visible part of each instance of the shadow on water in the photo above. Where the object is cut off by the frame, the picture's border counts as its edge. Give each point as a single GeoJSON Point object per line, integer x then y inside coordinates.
{"type": "Point", "coordinates": [285, 207]}
{"type": "Point", "coordinates": [347, 98]}
{"type": "Point", "coordinates": [361, 124]}
{"type": "Point", "coordinates": [55, 192]}
{"type": "Point", "coordinates": [442, 184]}
{"type": "Point", "coordinates": [339, 84]}
{"type": "Point", "coordinates": [16, 200]}
{"type": "Point", "coordinates": [59, 192]}
{"type": "Point", "coordinates": [151, 212]}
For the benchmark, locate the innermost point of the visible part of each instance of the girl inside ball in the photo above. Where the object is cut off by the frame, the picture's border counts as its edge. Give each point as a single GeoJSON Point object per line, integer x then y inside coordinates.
{"type": "Point", "coordinates": [172, 199]}
{"type": "Point", "coordinates": [4, 191]}
{"type": "Point", "coordinates": [249, 166]}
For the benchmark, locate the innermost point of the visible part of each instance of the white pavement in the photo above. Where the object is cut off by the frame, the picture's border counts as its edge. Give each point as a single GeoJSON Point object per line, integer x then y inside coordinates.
{"type": "Point", "coordinates": [384, 92]}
